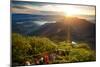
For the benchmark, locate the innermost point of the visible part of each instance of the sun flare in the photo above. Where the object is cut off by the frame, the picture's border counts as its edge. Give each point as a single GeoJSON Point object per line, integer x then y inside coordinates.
{"type": "Point", "coordinates": [71, 11]}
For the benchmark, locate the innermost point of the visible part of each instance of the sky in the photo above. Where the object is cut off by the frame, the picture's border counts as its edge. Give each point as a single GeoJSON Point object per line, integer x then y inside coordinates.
{"type": "Point", "coordinates": [88, 2]}
{"type": "Point", "coordinates": [50, 8]}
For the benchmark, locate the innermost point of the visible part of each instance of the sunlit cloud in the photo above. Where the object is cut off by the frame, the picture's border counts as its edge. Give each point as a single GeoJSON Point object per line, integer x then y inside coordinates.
{"type": "Point", "coordinates": [84, 10]}
{"type": "Point", "coordinates": [37, 8]}
{"type": "Point", "coordinates": [23, 10]}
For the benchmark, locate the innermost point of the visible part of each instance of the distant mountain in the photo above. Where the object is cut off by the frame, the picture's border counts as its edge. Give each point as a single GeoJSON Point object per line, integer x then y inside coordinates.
{"type": "Point", "coordinates": [25, 23]}
{"type": "Point", "coordinates": [81, 30]}
{"type": "Point", "coordinates": [32, 17]}
{"type": "Point", "coordinates": [24, 27]}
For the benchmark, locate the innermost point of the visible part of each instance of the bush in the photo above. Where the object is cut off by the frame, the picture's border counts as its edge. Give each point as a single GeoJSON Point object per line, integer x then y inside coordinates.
{"type": "Point", "coordinates": [81, 54]}
{"type": "Point", "coordinates": [20, 47]}
{"type": "Point", "coordinates": [25, 47]}
{"type": "Point", "coordinates": [82, 45]}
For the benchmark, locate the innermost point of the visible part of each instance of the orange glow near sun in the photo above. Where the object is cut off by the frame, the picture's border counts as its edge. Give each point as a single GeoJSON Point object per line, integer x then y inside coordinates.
{"type": "Point", "coordinates": [71, 11]}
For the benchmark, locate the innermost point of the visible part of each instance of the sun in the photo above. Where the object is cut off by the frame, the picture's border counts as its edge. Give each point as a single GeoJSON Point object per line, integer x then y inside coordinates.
{"type": "Point", "coordinates": [71, 11]}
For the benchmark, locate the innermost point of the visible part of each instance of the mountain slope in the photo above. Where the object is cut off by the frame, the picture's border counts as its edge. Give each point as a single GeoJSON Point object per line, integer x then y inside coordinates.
{"type": "Point", "coordinates": [81, 30]}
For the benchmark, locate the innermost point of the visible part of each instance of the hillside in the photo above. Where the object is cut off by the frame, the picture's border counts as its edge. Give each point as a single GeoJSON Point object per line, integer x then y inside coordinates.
{"type": "Point", "coordinates": [81, 30]}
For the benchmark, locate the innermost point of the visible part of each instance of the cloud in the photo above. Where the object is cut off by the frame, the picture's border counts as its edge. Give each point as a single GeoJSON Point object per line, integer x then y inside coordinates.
{"type": "Point", "coordinates": [20, 7]}
{"type": "Point", "coordinates": [38, 8]}
{"type": "Point", "coordinates": [24, 9]}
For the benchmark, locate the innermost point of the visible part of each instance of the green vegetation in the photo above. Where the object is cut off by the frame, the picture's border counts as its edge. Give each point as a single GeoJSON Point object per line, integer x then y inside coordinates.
{"type": "Point", "coordinates": [26, 47]}
{"type": "Point", "coordinates": [80, 52]}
